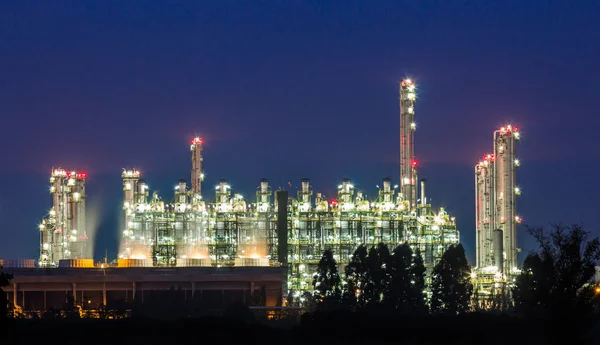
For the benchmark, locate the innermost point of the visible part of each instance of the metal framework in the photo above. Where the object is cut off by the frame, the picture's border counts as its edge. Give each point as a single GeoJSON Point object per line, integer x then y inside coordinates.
{"type": "Point", "coordinates": [229, 231]}
{"type": "Point", "coordinates": [62, 232]}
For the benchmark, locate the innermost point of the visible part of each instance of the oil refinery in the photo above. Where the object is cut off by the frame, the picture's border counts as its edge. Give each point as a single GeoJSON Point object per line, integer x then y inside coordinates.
{"type": "Point", "coordinates": [196, 229]}
{"type": "Point", "coordinates": [496, 219]}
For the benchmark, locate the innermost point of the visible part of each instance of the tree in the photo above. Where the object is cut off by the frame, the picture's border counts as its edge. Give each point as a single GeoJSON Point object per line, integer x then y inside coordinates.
{"type": "Point", "coordinates": [407, 280]}
{"type": "Point", "coordinates": [377, 277]}
{"type": "Point", "coordinates": [557, 277]}
{"type": "Point", "coordinates": [398, 293]}
{"type": "Point", "coordinates": [374, 278]}
{"type": "Point", "coordinates": [451, 282]}
{"type": "Point", "coordinates": [327, 281]}
{"type": "Point", "coordinates": [417, 275]}
{"type": "Point", "coordinates": [5, 279]}
{"type": "Point", "coordinates": [356, 272]}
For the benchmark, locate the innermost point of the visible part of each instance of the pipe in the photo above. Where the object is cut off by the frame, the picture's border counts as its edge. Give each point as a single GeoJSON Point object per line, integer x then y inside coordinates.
{"type": "Point", "coordinates": [423, 195]}
{"type": "Point", "coordinates": [305, 185]}
{"type": "Point", "coordinates": [499, 249]}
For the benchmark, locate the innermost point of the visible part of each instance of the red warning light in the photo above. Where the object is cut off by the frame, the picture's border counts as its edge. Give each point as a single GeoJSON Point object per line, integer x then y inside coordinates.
{"type": "Point", "coordinates": [516, 129]}
{"type": "Point", "coordinates": [414, 163]}
{"type": "Point", "coordinates": [81, 175]}
{"type": "Point", "coordinates": [197, 140]}
{"type": "Point", "coordinates": [333, 202]}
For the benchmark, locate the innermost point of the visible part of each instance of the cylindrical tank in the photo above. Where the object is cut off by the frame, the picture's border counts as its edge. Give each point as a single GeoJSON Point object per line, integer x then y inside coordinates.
{"type": "Point", "coordinates": [346, 186]}
{"type": "Point", "coordinates": [223, 186]}
{"type": "Point", "coordinates": [76, 263]}
{"type": "Point", "coordinates": [191, 262]}
{"type": "Point", "coordinates": [25, 263]}
{"type": "Point", "coordinates": [305, 185]}
{"type": "Point", "coordinates": [142, 191]}
{"type": "Point", "coordinates": [182, 185]}
{"type": "Point", "coordinates": [264, 185]}
{"type": "Point", "coordinates": [499, 249]}
{"type": "Point", "coordinates": [124, 263]}
{"type": "Point", "coordinates": [251, 262]}
{"type": "Point", "coordinates": [387, 184]}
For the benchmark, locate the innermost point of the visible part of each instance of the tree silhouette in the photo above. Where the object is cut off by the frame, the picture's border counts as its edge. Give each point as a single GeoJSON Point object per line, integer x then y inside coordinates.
{"type": "Point", "coordinates": [451, 286]}
{"type": "Point", "coordinates": [406, 287]}
{"type": "Point", "coordinates": [356, 275]}
{"type": "Point", "coordinates": [376, 279]}
{"type": "Point", "coordinates": [398, 293]}
{"type": "Point", "coordinates": [556, 278]}
{"type": "Point", "coordinates": [417, 275]}
{"type": "Point", "coordinates": [327, 281]}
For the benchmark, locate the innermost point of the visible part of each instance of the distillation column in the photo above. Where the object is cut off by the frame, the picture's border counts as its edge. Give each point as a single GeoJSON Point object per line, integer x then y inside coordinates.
{"type": "Point", "coordinates": [484, 217]}
{"type": "Point", "coordinates": [76, 216]}
{"type": "Point", "coordinates": [506, 191]}
{"type": "Point", "coordinates": [408, 164]}
{"type": "Point", "coordinates": [197, 173]}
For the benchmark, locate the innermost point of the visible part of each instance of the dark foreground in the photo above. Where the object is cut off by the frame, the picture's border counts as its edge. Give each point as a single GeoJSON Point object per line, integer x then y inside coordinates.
{"type": "Point", "coordinates": [329, 328]}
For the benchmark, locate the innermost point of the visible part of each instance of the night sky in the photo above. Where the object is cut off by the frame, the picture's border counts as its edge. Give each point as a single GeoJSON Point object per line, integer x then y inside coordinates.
{"type": "Point", "coordinates": [290, 89]}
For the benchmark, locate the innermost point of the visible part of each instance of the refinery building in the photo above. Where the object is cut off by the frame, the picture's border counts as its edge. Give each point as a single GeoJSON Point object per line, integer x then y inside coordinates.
{"type": "Point", "coordinates": [202, 241]}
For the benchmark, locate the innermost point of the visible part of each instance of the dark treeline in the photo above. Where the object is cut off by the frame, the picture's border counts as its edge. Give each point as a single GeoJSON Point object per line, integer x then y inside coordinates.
{"type": "Point", "coordinates": [383, 296]}
{"type": "Point", "coordinates": [377, 280]}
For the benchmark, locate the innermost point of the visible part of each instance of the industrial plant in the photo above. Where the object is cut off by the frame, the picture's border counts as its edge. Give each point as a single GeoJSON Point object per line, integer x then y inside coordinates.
{"type": "Point", "coordinates": [63, 235]}
{"type": "Point", "coordinates": [196, 229]}
{"type": "Point", "coordinates": [227, 230]}
{"type": "Point", "coordinates": [496, 219]}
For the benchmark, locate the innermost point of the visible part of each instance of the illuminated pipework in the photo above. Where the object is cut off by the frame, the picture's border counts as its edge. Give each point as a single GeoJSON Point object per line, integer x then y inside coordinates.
{"type": "Point", "coordinates": [223, 196]}
{"type": "Point", "coordinates": [385, 201]}
{"type": "Point", "coordinates": [263, 197]}
{"type": "Point", "coordinates": [346, 195]}
{"type": "Point", "coordinates": [304, 196]}
{"type": "Point", "coordinates": [408, 163]}
{"type": "Point", "coordinates": [197, 173]}
{"type": "Point", "coordinates": [62, 232]}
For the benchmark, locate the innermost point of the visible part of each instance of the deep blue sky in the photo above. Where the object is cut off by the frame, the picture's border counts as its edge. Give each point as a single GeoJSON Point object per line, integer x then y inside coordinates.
{"type": "Point", "coordinates": [290, 89]}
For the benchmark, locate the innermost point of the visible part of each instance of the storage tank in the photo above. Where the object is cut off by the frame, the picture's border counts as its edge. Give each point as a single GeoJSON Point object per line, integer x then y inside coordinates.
{"type": "Point", "coordinates": [25, 263]}
{"type": "Point", "coordinates": [124, 263]}
{"type": "Point", "coordinates": [193, 262]}
{"type": "Point", "coordinates": [251, 262]}
{"type": "Point", "coordinates": [76, 263]}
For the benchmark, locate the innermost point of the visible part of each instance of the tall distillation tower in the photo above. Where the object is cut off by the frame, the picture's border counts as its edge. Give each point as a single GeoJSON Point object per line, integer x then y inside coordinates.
{"type": "Point", "coordinates": [408, 164]}
{"type": "Point", "coordinates": [505, 193]}
{"type": "Point", "coordinates": [62, 232]}
{"type": "Point", "coordinates": [495, 206]}
{"type": "Point", "coordinates": [197, 173]}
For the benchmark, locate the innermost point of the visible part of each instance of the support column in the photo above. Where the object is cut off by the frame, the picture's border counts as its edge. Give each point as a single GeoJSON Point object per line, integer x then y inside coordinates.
{"type": "Point", "coordinates": [193, 288]}
{"type": "Point", "coordinates": [133, 294]}
{"type": "Point", "coordinates": [45, 301]}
